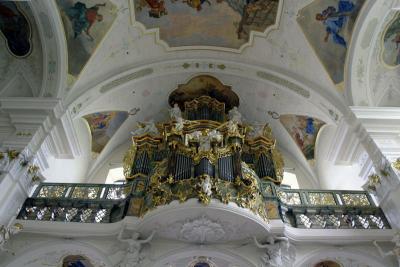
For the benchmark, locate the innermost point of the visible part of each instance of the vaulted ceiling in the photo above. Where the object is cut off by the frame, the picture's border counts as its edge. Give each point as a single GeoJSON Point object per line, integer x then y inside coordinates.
{"type": "Point", "coordinates": [275, 54]}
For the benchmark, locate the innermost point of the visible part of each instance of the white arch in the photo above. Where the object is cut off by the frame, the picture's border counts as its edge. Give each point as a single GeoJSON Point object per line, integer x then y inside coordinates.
{"type": "Point", "coordinates": [322, 254]}
{"type": "Point", "coordinates": [234, 259]}
{"type": "Point", "coordinates": [52, 253]}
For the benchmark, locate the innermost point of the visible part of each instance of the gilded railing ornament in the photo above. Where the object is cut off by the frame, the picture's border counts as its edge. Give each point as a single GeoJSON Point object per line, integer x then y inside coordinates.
{"type": "Point", "coordinates": [374, 180]}
{"type": "Point", "coordinates": [396, 164]}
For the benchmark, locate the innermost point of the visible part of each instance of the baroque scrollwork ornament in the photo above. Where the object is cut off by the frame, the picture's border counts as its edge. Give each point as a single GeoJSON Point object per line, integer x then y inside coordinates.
{"type": "Point", "coordinates": [396, 164]}
{"type": "Point", "coordinates": [374, 181]}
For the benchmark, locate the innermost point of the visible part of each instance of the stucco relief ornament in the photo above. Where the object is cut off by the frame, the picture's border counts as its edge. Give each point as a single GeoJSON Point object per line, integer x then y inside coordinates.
{"type": "Point", "coordinates": [133, 256]}
{"type": "Point", "coordinates": [394, 252]}
{"type": "Point", "coordinates": [6, 233]}
{"type": "Point", "coordinates": [202, 230]}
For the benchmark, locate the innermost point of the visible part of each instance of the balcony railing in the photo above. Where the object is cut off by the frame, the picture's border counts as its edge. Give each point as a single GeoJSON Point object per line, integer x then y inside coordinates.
{"type": "Point", "coordinates": [104, 203]}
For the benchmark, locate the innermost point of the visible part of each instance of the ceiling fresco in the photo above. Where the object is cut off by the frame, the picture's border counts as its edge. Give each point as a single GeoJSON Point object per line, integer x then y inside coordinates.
{"type": "Point", "coordinates": [304, 131]}
{"type": "Point", "coordinates": [391, 43]}
{"type": "Point", "coordinates": [328, 26]}
{"type": "Point", "coordinates": [103, 125]}
{"type": "Point", "coordinates": [217, 23]}
{"type": "Point", "coordinates": [85, 22]}
{"type": "Point", "coordinates": [15, 28]}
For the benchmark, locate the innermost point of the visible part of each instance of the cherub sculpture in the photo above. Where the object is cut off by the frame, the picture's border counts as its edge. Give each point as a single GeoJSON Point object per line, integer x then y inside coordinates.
{"type": "Point", "coordinates": [394, 252]}
{"type": "Point", "coordinates": [234, 115]}
{"type": "Point", "coordinates": [205, 139]}
{"type": "Point", "coordinates": [273, 253]}
{"type": "Point", "coordinates": [6, 233]}
{"type": "Point", "coordinates": [175, 113]}
{"type": "Point", "coordinates": [148, 127]}
{"type": "Point", "coordinates": [133, 255]}
{"type": "Point", "coordinates": [206, 186]}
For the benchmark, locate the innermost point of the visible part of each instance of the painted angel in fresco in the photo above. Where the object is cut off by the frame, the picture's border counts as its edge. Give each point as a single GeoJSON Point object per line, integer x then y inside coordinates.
{"type": "Point", "coordinates": [196, 4]}
{"type": "Point", "coordinates": [396, 40]}
{"type": "Point", "coordinates": [83, 18]}
{"type": "Point", "coordinates": [334, 19]}
{"type": "Point", "coordinates": [157, 7]}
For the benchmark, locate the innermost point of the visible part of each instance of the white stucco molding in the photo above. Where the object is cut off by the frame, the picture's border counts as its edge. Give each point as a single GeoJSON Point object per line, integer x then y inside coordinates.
{"type": "Point", "coordinates": [54, 48]}
{"type": "Point", "coordinates": [337, 236]}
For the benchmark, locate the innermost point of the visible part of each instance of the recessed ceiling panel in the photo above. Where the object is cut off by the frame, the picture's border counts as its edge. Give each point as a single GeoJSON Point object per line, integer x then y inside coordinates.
{"type": "Point", "coordinates": [214, 23]}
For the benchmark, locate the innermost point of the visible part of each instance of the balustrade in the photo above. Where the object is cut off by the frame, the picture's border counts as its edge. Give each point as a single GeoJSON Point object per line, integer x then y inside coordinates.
{"type": "Point", "coordinates": [105, 203]}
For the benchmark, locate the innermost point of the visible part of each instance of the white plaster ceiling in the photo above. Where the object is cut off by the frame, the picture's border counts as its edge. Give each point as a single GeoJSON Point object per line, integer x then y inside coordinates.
{"type": "Point", "coordinates": [278, 71]}
{"type": "Point", "coordinates": [371, 82]}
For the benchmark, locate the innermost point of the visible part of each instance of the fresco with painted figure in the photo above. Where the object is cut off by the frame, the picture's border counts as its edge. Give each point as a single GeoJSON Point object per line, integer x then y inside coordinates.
{"type": "Point", "coordinates": [86, 23]}
{"type": "Point", "coordinates": [328, 26]}
{"type": "Point", "coordinates": [304, 131]}
{"type": "Point", "coordinates": [15, 29]}
{"type": "Point", "coordinates": [391, 42]}
{"type": "Point", "coordinates": [76, 261]}
{"type": "Point", "coordinates": [221, 23]}
{"type": "Point", "coordinates": [327, 264]}
{"type": "Point", "coordinates": [103, 125]}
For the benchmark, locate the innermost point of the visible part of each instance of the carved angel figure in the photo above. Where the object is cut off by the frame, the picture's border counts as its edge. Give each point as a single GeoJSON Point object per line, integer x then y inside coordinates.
{"type": "Point", "coordinates": [273, 253]}
{"type": "Point", "coordinates": [179, 124]}
{"type": "Point", "coordinates": [132, 256]}
{"type": "Point", "coordinates": [234, 115]}
{"type": "Point", "coordinates": [394, 252]}
{"type": "Point", "coordinates": [205, 139]}
{"type": "Point", "coordinates": [175, 113]}
{"type": "Point", "coordinates": [148, 127]}
{"type": "Point", "coordinates": [6, 233]}
{"type": "Point", "coordinates": [206, 186]}
{"type": "Point", "coordinates": [232, 127]}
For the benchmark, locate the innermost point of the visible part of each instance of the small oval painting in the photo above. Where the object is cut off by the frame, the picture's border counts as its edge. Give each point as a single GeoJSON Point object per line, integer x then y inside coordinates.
{"type": "Point", "coordinates": [15, 28]}
{"type": "Point", "coordinates": [327, 264]}
{"type": "Point", "coordinates": [76, 261]}
{"type": "Point", "coordinates": [391, 42]}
